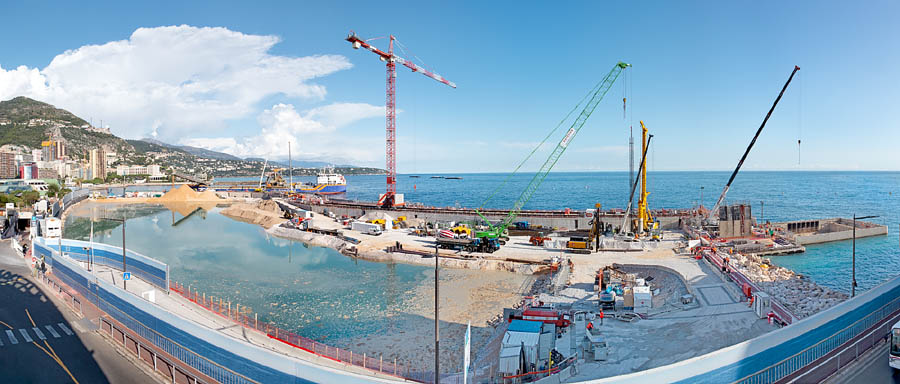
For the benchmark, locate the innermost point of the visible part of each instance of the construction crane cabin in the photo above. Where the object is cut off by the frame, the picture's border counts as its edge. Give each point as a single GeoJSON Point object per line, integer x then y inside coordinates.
{"type": "Point", "coordinates": [390, 198]}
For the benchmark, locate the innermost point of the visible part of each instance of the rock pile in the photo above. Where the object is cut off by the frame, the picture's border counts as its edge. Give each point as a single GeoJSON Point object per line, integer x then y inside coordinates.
{"type": "Point", "coordinates": [803, 297]}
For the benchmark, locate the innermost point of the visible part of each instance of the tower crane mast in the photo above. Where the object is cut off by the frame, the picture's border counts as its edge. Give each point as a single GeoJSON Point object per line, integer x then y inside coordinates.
{"type": "Point", "coordinates": [391, 60]}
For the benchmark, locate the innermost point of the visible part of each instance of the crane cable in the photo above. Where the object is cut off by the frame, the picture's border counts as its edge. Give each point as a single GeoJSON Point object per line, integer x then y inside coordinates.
{"type": "Point", "coordinates": [533, 151]}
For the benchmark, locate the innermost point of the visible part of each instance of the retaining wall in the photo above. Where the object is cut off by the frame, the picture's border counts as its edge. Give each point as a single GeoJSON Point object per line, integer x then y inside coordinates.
{"type": "Point", "coordinates": [148, 269]}
{"type": "Point", "coordinates": [214, 354]}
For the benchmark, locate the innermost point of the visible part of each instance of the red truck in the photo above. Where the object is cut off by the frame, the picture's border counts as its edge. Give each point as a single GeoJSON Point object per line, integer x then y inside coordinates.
{"type": "Point", "coordinates": [546, 317]}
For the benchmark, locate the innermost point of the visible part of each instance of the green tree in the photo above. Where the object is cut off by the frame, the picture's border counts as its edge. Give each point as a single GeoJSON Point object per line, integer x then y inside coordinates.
{"type": "Point", "coordinates": [53, 190]}
{"type": "Point", "coordinates": [30, 197]}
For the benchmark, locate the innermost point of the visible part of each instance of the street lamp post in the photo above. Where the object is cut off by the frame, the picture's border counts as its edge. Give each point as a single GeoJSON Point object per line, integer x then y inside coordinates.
{"type": "Point", "coordinates": [124, 269]}
{"type": "Point", "coordinates": [701, 197]}
{"type": "Point", "coordinates": [853, 283]}
{"type": "Point", "coordinates": [437, 351]}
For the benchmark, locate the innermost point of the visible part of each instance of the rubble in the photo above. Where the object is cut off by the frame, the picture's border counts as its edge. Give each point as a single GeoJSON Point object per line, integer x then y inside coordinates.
{"type": "Point", "coordinates": [803, 297]}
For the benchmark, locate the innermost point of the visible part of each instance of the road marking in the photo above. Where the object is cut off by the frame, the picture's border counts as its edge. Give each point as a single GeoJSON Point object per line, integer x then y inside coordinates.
{"type": "Point", "coordinates": [12, 337]}
{"type": "Point", "coordinates": [65, 329]}
{"type": "Point", "coordinates": [52, 331]}
{"type": "Point", "coordinates": [25, 335]}
{"type": "Point", "coordinates": [40, 335]}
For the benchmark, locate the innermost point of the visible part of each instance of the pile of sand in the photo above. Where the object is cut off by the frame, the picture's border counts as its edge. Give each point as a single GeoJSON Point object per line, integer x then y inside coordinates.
{"type": "Point", "coordinates": [184, 193]}
{"type": "Point", "coordinates": [266, 213]}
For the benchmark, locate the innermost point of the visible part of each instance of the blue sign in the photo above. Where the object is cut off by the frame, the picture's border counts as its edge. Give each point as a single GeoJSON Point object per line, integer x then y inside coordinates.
{"type": "Point", "coordinates": [126, 276]}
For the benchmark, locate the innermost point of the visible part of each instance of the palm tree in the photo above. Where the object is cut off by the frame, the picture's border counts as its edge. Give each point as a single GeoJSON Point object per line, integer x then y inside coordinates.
{"type": "Point", "coordinates": [53, 190]}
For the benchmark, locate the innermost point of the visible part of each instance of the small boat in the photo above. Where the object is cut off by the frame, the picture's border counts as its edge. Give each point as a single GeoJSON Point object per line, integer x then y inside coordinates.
{"type": "Point", "coordinates": [437, 177]}
{"type": "Point", "coordinates": [414, 176]}
{"type": "Point", "coordinates": [453, 178]}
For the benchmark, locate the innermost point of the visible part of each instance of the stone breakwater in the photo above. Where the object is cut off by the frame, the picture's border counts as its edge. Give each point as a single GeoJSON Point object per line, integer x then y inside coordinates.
{"type": "Point", "coordinates": [803, 297]}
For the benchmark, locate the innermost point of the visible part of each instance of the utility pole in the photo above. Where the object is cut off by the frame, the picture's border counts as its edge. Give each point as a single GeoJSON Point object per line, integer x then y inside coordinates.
{"type": "Point", "coordinates": [853, 284]}
{"type": "Point", "coordinates": [290, 169]}
{"type": "Point", "coordinates": [124, 282]}
{"type": "Point", "coordinates": [437, 339]}
{"type": "Point", "coordinates": [762, 211]}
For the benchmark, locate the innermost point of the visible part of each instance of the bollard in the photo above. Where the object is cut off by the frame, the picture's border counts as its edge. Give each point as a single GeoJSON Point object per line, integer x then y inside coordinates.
{"type": "Point", "coordinates": [351, 357]}
{"type": "Point", "coordinates": [255, 320]}
{"type": "Point", "coordinates": [364, 359]}
{"type": "Point", "coordinates": [380, 363]}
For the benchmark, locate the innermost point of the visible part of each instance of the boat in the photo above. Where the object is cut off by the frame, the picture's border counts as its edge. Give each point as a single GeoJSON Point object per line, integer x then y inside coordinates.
{"type": "Point", "coordinates": [327, 183]}
{"type": "Point", "coordinates": [414, 176]}
{"type": "Point", "coordinates": [437, 177]}
{"type": "Point", "coordinates": [453, 178]}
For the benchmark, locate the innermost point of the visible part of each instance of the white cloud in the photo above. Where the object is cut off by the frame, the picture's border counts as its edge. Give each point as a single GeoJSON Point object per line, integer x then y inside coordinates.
{"type": "Point", "coordinates": [311, 134]}
{"type": "Point", "coordinates": [173, 81]}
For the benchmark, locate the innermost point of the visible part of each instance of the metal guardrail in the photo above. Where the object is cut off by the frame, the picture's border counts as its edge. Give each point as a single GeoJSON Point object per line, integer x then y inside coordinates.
{"type": "Point", "coordinates": [801, 360]}
{"type": "Point", "coordinates": [189, 357]}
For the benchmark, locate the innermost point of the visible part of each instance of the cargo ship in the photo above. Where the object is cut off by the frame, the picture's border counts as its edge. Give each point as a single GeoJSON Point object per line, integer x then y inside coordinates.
{"type": "Point", "coordinates": [327, 183]}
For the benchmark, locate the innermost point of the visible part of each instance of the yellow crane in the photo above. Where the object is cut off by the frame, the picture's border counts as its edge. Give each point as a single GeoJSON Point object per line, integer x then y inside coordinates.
{"type": "Point", "coordinates": [644, 219]}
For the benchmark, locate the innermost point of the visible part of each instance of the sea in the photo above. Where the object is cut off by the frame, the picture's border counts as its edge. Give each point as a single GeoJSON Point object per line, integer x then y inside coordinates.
{"type": "Point", "coordinates": [325, 295]}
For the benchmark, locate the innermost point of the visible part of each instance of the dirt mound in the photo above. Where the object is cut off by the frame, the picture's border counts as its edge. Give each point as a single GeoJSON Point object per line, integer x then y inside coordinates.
{"type": "Point", "coordinates": [185, 193]}
{"type": "Point", "coordinates": [265, 213]}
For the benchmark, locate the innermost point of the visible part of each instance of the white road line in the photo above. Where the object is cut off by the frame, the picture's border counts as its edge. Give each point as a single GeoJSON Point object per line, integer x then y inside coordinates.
{"type": "Point", "coordinates": [25, 335]}
{"type": "Point", "coordinates": [40, 335]}
{"type": "Point", "coordinates": [65, 329]}
{"type": "Point", "coordinates": [52, 331]}
{"type": "Point", "coordinates": [12, 337]}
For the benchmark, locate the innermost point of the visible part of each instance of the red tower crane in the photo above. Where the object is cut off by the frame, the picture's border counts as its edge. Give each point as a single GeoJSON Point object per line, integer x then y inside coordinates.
{"type": "Point", "coordinates": [388, 199]}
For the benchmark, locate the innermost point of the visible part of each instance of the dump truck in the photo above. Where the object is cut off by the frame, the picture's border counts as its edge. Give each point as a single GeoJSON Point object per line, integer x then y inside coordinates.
{"type": "Point", "coordinates": [484, 245]}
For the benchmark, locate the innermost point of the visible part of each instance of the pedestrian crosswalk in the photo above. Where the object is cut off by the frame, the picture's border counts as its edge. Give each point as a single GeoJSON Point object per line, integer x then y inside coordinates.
{"type": "Point", "coordinates": [55, 331]}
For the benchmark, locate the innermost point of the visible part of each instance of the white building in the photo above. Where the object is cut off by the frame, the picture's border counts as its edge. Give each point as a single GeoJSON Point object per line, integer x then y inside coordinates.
{"type": "Point", "coordinates": [131, 170]}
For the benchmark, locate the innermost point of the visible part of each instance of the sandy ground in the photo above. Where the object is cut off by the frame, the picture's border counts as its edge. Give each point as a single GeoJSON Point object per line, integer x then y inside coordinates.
{"type": "Point", "coordinates": [264, 212]}
{"type": "Point", "coordinates": [475, 296]}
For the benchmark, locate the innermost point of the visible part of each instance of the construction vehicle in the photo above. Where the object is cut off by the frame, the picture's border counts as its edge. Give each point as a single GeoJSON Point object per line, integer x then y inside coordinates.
{"type": "Point", "coordinates": [596, 95]}
{"type": "Point", "coordinates": [484, 245]}
{"type": "Point", "coordinates": [547, 317]}
{"type": "Point", "coordinates": [644, 218]}
{"type": "Point", "coordinates": [462, 229]}
{"type": "Point", "coordinates": [538, 239]}
{"type": "Point", "coordinates": [714, 210]}
{"type": "Point", "coordinates": [579, 245]}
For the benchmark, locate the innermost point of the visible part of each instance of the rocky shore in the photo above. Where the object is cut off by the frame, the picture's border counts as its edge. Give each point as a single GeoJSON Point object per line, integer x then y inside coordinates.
{"type": "Point", "coordinates": [803, 297]}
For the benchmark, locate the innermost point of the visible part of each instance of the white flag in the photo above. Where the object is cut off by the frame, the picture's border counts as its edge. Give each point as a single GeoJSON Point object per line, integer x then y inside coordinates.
{"type": "Point", "coordinates": [466, 352]}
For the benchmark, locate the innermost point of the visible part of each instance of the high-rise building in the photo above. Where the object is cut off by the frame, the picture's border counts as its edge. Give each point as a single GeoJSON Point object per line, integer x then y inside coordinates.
{"type": "Point", "coordinates": [29, 170]}
{"type": "Point", "coordinates": [60, 149]}
{"type": "Point", "coordinates": [48, 153]}
{"type": "Point", "coordinates": [8, 165]}
{"type": "Point", "coordinates": [36, 155]}
{"type": "Point", "coordinates": [98, 163]}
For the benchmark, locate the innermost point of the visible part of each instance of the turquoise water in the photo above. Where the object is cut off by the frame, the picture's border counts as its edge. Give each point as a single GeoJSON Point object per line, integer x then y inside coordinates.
{"type": "Point", "coordinates": [316, 291]}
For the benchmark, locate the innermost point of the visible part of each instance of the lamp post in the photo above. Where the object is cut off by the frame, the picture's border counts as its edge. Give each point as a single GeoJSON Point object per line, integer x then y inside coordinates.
{"type": "Point", "coordinates": [701, 197]}
{"type": "Point", "coordinates": [853, 284]}
{"type": "Point", "coordinates": [437, 351]}
{"type": "Point", "coordinates": [122, 220]}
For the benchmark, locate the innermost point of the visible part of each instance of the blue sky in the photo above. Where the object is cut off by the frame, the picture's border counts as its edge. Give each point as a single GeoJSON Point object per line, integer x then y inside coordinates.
{"type": "Point", "coordinates": [703, 76]}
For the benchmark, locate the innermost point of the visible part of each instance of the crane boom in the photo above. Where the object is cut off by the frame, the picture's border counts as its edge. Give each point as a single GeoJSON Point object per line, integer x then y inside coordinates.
{"type": "Point", "coordinates": [747, 151]}
{"type": "Point", "coordinates": [391, 60]}
{"type": "Point", "coordinates": [538, 178]}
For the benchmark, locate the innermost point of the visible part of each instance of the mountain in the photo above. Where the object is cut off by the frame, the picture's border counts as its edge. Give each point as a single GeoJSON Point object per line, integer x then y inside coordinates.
{"type": "Point", "coordinates": [26, 123]}
{"type": "Point", "coordinates": [199, 152]}
{"type": "Point", "coordinates": [301, 163]}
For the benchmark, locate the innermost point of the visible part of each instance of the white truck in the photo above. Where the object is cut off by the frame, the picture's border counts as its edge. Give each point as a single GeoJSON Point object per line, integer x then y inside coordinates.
{"type": "Point", "coordinates": [366, 228]}
{"type": "Point", "coordinates": [51, 228]}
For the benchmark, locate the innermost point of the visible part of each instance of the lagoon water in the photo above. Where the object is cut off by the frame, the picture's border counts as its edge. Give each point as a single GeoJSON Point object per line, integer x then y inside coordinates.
{"type": "Point", "coordinates": [316, 291]}
{"type": "Point", "coordinates": [325, 295]}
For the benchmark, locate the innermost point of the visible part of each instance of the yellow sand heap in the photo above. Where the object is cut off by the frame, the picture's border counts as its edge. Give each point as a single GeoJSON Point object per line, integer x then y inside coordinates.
{"type": "Point", "coordinates": [184, 193]}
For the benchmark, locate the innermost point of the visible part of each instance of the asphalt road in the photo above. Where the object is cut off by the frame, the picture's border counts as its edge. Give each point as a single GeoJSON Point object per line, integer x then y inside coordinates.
{"type": "Point", "coordinates": [39, 343]}
{"type": "Point", "coordinates": [872, 368]}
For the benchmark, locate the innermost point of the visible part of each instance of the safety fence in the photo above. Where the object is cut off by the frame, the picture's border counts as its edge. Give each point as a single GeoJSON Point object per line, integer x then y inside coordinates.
{"type": "Point", "coordinates": [863, 332]}
{"type": "Point", "coordinates": [241, 315]}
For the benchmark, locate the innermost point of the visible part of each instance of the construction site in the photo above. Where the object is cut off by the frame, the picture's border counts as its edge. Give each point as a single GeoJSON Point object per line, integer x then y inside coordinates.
{"type": "Point", "coordinates": [611, 290]}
